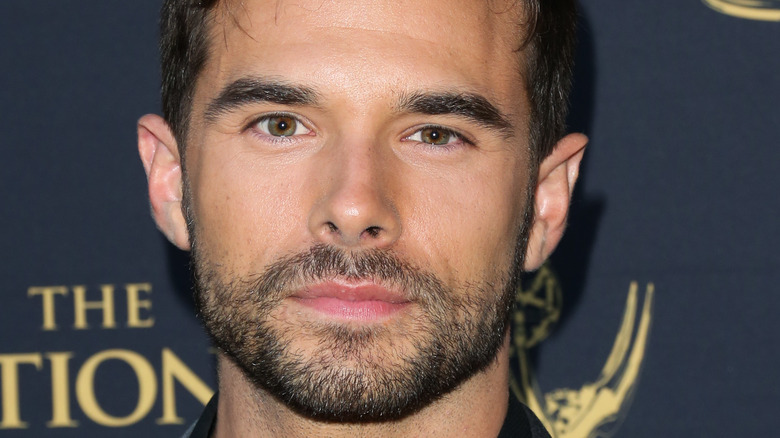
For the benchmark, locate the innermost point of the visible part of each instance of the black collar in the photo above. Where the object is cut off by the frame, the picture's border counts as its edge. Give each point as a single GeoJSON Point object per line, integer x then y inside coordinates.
{"type": "Point", "coordinates": [520, 422]}
{"type": "Point", "coordinates": [203, 427]}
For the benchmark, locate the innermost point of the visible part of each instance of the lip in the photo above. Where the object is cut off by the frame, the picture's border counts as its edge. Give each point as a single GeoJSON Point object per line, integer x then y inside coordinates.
{"type": "Point", "coordinates": [364, 302]}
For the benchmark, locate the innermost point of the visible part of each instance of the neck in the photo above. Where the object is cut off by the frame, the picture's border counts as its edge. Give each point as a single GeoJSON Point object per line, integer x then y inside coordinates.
{"type": "Point", "coordinates": [476, 408]}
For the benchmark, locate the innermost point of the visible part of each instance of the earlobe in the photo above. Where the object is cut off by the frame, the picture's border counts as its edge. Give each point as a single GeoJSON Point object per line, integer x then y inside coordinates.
{"type": "Point", "coordinates": [160, 156]}
{"type": "Point", "coordinates": [555, 185]}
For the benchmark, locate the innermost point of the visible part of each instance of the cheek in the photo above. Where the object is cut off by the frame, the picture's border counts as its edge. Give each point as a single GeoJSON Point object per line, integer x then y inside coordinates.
{"type": "Point", "coordinates": [470, 224]}
{"type": "Point", "coordinates": [246, 212]}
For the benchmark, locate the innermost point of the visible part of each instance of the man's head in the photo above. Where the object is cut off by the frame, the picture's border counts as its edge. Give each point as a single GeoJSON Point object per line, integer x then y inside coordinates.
{"type": "Point", "coordinates": [362, 187]}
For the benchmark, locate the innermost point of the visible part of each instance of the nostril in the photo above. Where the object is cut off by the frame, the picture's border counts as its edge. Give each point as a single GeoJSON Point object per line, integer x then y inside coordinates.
{"type": "Point", "coordinates": [372, 231]}
{"type": "Point", "coordinates": [332, 227]}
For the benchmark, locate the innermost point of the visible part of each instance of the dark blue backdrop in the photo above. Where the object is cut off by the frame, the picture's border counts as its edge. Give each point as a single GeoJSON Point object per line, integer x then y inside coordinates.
{"type": "Point", "coordinates": [679, 189]}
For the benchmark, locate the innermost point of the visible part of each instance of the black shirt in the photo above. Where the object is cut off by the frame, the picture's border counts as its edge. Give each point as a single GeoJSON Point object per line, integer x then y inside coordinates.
{"type": "Point", "coordinates": [520, 422]}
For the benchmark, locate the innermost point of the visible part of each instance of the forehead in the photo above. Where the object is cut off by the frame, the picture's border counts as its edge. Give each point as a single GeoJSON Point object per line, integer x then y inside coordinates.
{"type": "Point", "coordinates": [415, 18]}
{"type": "Point", "coordinates": [369, 44]}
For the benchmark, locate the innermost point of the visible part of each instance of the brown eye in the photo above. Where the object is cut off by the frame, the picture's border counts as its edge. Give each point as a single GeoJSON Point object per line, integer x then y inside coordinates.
{"type": "Point", "coordinates": [282, 126]}
{"type": "Point", "coordinates": [435, 136]}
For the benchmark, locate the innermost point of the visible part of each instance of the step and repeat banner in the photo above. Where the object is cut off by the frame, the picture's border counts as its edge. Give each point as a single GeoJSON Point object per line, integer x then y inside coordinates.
{"type": "Point", "coordinates": [656, 316]}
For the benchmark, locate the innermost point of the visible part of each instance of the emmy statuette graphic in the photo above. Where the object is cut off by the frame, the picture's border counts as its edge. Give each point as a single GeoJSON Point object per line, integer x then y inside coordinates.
{"type": "Point", "coordinates": [597, 408]}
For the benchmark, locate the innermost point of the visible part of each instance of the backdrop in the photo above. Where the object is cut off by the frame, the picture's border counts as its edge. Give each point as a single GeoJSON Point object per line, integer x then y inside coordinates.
{"type": "Point", "coordinates": [657, 316]}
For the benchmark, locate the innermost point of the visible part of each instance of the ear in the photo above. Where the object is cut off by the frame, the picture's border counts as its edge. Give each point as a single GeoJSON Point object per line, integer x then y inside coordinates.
{"type": "Point", "coordinates": [557, 175]}
{"type": "Point", "coordinates": [160, 156]}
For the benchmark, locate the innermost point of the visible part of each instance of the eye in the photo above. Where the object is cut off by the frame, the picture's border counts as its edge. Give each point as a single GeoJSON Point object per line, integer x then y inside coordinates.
{"type": "Point", "coordinates": [281, 125]}
{"type": "Point", "coordinates": [436, 136]}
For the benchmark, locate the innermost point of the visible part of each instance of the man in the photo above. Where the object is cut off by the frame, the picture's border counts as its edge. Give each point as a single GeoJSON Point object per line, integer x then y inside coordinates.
{"type": "Point", "coordinates": [361, 184]}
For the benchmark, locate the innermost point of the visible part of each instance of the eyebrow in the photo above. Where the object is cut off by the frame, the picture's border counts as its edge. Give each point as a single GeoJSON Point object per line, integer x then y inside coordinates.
{"type": "Point", "coordinates": [471, 106]}
{"type": "Point", "coordinates": [251, 90]}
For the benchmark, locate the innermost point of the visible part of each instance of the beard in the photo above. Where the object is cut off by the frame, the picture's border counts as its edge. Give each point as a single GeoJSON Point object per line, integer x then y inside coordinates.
{"type": "Point", "coordinates": [355, 373]}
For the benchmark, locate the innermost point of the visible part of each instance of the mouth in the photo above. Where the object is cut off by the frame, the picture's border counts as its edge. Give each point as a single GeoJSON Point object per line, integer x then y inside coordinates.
{"type": "Point", "coordinates": [361, 302]}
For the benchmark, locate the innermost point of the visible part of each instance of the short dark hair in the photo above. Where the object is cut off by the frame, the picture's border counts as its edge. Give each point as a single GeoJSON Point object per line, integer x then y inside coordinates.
{"type": "Point", "coordinates": [549, 41]}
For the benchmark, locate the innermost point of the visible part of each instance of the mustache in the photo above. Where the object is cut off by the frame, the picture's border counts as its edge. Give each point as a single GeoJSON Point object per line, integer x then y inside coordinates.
{"type": "Point", "coordinates": [325, 262]}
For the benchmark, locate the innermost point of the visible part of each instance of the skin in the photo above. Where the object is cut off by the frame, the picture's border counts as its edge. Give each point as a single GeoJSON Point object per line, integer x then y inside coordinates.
{"type": "Point", "coordinates": [358, 177]}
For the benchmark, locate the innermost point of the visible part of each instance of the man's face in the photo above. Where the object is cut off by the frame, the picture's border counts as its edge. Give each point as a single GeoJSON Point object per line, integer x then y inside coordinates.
{"type": "Point", "coordinates": [357, 178]}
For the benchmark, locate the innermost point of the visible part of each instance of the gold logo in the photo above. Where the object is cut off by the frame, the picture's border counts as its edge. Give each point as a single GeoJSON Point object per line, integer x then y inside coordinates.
{"type": "Point", "coordinates": [597, 407]}
{"type": "Point", "coordinates": [768, 10]}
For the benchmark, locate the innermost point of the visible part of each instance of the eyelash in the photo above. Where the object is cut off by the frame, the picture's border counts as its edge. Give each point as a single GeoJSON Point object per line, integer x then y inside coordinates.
{"type": "Point", "coordinates": [457, 141]}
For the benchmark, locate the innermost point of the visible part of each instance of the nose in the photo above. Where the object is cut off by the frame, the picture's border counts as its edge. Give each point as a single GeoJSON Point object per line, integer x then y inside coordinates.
{"type": "Point", "coordinates": [355, 207]}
